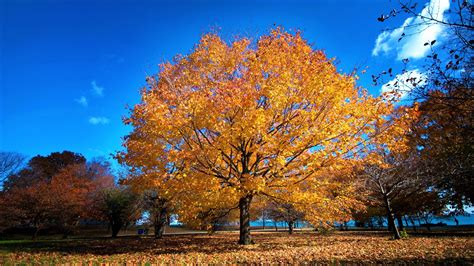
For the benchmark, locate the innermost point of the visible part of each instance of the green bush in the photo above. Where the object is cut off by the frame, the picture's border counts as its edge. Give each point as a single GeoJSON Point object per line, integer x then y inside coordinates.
{"type": "Point", "coordinates": [404, 234]}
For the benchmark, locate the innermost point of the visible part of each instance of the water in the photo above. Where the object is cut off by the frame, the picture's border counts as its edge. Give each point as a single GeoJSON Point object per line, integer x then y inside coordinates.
{"type": "Point", "coordinates": [270, 224]}
{"type": "Point", "coordinates": [463, 220]}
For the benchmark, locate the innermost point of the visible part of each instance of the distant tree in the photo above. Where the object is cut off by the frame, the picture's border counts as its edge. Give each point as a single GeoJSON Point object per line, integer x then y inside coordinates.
{"type": "Point", "coordinates": [29, 206]}
{"type": "Point", "coordinates": [10, 163]}
{"type": "Point", "coordinates": [43, 168]}
{"type": "Point", "coordinates": [370, 215]}
{"type": "Point", "coordinates": [33, 198]}
{"type": "Point", "coordinates": [158, 209]}
{"type": "Point", "coordinates": [278, 211]}
{"type": "Point", "coordinates": [155, 197]}
{"type": "Point", "coordinates": [72, 193]}
{"type": "Point", "coordinates": [445, 136]}
{"type": "Point", "coordinates": [48, 166]}
{"type": "Point", "coordinates": [119, 206]}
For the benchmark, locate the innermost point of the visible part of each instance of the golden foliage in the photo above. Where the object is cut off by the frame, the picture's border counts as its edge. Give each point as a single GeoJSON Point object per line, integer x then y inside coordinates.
{"type": "Point", "coordinates": [231, 120]}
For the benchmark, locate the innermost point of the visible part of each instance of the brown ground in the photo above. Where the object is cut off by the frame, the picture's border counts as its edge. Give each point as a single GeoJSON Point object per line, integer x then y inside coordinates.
{"type": "Point", "coordinates": [270, 247]}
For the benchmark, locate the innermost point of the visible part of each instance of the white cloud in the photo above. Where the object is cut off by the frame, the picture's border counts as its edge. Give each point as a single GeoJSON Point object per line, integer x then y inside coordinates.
{"type": "Point", "coordinates": [82, 101]}
{"type": "Point", "coordinates": [404, 83]}
{"type": "Point", "coordinates": [417, 32]}
{"type": "Point", "coordinates": [98, 120]}
{"type": "Point", "coordinates": [98, 90]}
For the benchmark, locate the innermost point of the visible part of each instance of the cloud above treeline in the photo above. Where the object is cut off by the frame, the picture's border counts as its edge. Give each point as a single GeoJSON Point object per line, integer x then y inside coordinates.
{"type": "Point", "coordinates": [407, 41]}
{"type": "Point", "coordinates": [98, 120]}
{"type": "Point", "coordinates": [98, 90]}
{"type": "Point", "coordinates": [82, 101]}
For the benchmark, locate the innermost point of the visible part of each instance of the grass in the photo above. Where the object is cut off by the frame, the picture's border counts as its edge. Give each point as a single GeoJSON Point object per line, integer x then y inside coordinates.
{"type": "Point", "coordinates": [270, 248]}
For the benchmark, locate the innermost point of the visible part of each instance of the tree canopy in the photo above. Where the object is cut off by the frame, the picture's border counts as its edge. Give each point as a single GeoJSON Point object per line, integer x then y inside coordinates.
{"type": "Point", "coordinates": [272, 118]}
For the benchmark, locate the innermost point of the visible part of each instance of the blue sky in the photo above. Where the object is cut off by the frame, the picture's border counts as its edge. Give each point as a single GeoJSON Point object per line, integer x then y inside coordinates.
{"type": "Point", "coordinates": [68, 68]}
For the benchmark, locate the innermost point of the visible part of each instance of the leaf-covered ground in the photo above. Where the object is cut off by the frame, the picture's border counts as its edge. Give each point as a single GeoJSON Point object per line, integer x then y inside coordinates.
{"type": "Point", "coordinates": [270, 248]}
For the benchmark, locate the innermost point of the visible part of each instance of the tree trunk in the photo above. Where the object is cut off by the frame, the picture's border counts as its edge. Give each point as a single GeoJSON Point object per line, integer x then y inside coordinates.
{"type": "Point", "coordinates": [35, 233]}
{"type": "Point", "coordinates": [160, 222]}
{"type": "Point", "coordinates": [244, 206]}
{"type": "Point", "coordinates": [400, 222]}
{"type": "Point", "coordinates": [389, 225]}
{"type": "Point", "coordinates": [116, 226]}
{"type": "Point", "coordinates": [263, 220]}
{"type": "Point", "coordinates": [65, 230]}
{"type": "Point", "coordinates": [290, 227]}
{"type": "Point", "coordinates": [390, 218]}
{"type": "Point", "coordinates": [371, 224]}
{"type": "Point", "coordinates": [276, 226]}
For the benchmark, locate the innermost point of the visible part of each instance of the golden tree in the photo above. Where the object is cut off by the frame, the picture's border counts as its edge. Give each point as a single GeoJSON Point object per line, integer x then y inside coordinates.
{"type": "Point", "coordinates": [232, 121]}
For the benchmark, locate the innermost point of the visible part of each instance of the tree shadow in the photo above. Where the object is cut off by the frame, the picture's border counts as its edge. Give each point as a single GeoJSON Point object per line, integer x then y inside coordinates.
{"type": "Point", "coordinates": [169, 244]}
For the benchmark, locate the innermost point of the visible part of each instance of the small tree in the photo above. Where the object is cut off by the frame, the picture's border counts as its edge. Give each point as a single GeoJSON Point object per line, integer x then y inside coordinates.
{"type": "Point", "coordinates": [284, 212]}
{"type": "Point", "coordinates": [158, 209]}
{"type": "Point", "coordinates": [119, 206]}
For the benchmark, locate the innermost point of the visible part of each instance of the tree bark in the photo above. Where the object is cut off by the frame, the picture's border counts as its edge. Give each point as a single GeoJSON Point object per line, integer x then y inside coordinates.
{"type": "Point", "coordinates": [160, 222]}
{"type": "Point", "coordinates": [35, 233]}
{"type": "Point", "coordinates": [244, 207]}
{"type": "Point", "coordinates": [290, 227]}
{"type": "Point", "coordinates": [389, 225]}
{"type": "Point", "coordinates": [400, 222]}
{"type": "Point", "coordinates": [116, 226]}
{"type": "Point", "coordinates": [390, 218]}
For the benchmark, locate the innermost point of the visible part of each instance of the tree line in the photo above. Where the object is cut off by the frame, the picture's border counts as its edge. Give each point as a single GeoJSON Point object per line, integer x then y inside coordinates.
{"type": "Point", "coordinates": [60, 192]}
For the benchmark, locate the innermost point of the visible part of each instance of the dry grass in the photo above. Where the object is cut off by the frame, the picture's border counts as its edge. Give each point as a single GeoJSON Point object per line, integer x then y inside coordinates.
{"type": "Point", "coordinates": [270, 248]}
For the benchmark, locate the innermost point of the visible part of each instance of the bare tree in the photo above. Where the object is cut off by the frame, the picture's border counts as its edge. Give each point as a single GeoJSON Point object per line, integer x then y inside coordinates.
{"type": "Point", "coordinates": [450, 61]}
{"type": "Point", "coordinates": [10, 163]}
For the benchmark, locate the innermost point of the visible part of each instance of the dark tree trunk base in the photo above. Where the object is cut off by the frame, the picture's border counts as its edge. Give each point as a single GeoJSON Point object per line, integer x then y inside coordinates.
{"type": "Point", "coordinates": [290, 227]}
{"type": "Point", "coordinates": [115, 230]}
{"type": "Point", "coordinates": [160, 222]}
{"type": "Point", "coordinates": [391, 219]}
{"type": "Point", "coordinates": [244, 207]}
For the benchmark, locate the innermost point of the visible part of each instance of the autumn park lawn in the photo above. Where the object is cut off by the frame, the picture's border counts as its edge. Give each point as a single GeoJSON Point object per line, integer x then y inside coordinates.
{"type": "Point", "coordinates": [269, 247]}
